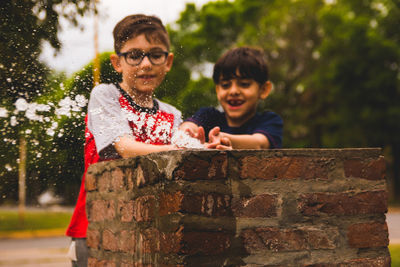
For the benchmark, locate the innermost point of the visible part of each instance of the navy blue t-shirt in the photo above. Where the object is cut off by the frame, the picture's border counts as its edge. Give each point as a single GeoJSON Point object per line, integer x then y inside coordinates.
{"type": "Point", "coordinates": [267, 123]}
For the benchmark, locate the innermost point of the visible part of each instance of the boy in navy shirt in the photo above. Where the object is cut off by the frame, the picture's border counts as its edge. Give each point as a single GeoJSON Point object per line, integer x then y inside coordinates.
{"type": "Point", "coordinates": [241, 78]}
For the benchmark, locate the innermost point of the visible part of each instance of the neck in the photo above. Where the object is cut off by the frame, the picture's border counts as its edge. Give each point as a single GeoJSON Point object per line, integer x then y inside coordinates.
{"type": "Point", "coordinates": [144, 100]}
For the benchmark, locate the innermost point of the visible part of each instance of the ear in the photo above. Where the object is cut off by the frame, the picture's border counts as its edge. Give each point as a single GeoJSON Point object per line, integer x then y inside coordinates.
{"type": "Point", "coordinates": [265, 89]}
{"type": "Point", "coordinates": [170, 59]}
{"type": "Point", "coordinates": [116, 62]}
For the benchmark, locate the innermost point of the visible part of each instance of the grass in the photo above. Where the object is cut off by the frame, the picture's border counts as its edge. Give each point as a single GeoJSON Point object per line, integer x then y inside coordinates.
{"type": "Point", "coordinates": [35, 223]}
{"type": "Point", "coordinates": [395, 254]}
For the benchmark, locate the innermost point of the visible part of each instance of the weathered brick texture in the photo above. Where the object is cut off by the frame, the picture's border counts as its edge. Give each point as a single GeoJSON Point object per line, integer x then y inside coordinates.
{"type": "Point", "coordinates": [300, 207]}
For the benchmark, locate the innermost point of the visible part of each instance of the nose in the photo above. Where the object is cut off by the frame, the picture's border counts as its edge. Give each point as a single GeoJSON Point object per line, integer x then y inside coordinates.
{"type": "Point", "coordinates": [145, 62]}
{"type": "Point", "coordinates": [234, 89]}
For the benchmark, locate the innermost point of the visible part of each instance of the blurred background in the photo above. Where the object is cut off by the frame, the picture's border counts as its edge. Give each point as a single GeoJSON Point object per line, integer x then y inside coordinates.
{"type": "Point", "coordinates": [334, 64]}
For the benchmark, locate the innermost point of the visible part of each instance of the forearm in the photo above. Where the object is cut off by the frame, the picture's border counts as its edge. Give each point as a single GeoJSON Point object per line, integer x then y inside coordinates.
{"type": "Point", "coordinates": [127, 147]}
{"type": "Point", "coordinates": [247, 141]}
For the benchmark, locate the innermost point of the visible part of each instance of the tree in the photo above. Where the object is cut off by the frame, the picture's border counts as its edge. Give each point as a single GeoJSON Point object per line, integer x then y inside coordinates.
{"type": "Point", "coordinates": [24, 25]}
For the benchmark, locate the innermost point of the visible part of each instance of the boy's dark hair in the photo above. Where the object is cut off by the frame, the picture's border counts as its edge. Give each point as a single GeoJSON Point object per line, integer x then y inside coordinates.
{"type": "Point", "coordinates": [135, 25]}
{"type": "Point", "coordinates": [241, 62]}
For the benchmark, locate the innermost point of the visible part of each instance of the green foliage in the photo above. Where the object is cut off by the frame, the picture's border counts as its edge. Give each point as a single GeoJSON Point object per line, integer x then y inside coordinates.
{"type": "Point", "coordinates": [24, 26]}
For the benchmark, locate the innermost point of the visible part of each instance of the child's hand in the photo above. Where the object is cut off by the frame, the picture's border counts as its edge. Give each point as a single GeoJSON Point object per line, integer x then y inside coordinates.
{"type": "Point", "coordinates": [194, 131]}
{"type": "Point", "coordinates": [218, 141]}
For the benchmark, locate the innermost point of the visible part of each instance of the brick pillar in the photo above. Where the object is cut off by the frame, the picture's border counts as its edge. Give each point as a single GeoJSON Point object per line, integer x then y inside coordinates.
{"type": "Point", "coordinates": [292, 207]}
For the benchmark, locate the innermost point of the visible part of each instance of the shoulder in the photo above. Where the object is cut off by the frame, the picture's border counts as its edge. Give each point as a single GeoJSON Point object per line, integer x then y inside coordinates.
{"type": "Point", "coordinates": [269, 116]}
{"type": "Point", "coordinates": [167, 107]}
{"type": "Point", "coordinates": [108, 91]}
{"type": "Point", "coordinates": [209, 111]}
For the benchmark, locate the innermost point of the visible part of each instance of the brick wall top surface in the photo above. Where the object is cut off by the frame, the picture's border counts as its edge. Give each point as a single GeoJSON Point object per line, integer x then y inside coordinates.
{"type": "Point", "coordinates": [171, 159]}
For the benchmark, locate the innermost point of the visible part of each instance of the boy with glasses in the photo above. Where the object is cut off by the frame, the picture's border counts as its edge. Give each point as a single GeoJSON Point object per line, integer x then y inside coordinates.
{"type": "Point", "coordinates": [124, 120]}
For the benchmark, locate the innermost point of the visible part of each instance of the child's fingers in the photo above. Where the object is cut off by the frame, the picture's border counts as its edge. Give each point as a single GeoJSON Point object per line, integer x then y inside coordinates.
{"type": "Point", "coordinates": [226, 141]}
{"type": "Point", "coordinates": [214, 132]}
{"type": "Point", "coordinates": [222, 147]}
{"type": "Point", "coordinates": [201, 135]}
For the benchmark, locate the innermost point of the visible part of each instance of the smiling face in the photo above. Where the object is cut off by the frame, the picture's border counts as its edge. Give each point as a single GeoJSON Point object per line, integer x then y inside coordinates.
{"type": "Point", "coordinates": [140, 81]}
{"type": "Point", "coordinates": [239, 98]}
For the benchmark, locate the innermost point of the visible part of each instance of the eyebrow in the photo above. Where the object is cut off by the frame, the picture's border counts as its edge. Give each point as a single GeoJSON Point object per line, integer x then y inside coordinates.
{"type": "Point", "coordinates": [154, 49]}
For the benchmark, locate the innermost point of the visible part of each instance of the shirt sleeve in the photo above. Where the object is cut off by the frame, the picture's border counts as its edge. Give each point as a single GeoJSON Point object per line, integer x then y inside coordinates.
{"type": "Point", "coordinates": [106, 120]}
{"type": "Point", "coordinates": [270, 124]}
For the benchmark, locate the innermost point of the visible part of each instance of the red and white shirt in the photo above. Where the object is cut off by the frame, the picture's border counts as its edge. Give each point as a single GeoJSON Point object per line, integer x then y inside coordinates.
{"type": "Point", "coordinates": [112, 114]}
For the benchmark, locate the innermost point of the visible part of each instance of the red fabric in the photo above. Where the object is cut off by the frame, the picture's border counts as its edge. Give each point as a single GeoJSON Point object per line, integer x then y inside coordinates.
{"type": "Point", "coordinates": [79, 223]}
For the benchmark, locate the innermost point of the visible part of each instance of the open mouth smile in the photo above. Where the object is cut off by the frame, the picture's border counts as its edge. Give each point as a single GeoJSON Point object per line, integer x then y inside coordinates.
{"type": "Point", "coordinates": [235, 103]}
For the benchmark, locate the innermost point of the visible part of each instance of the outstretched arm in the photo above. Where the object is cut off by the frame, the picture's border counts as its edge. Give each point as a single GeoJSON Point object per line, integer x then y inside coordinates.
{"type": "Point", "coordinates": [127, 147]}
{"type": "Point", "coordinates": [248, 141]}
{"type": "Point", "coordinates": [221, 140]}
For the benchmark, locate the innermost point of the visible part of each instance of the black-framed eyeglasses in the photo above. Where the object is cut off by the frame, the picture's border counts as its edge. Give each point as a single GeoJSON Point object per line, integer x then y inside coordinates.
{"type": "Point", "coordinates": [135, 57]}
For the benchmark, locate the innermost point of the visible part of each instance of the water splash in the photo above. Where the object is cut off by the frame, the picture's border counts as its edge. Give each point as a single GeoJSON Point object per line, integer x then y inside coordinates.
{"type": "Point", "coordinates": [182, 139]}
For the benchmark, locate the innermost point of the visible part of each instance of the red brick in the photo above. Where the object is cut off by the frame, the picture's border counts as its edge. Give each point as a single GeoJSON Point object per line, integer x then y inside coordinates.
{"type": "Point", "coordinates": [90, 182]}
{"type": "Point", "coordinates": [144, 208]}
{"type": "Point", "coordinates": [146, 173]}
{"type": "Point", "coordinates": [129, 178]}
{"type": "Point", "coordinates": [284, 168]}
{"type": "Point", "coordinates": [276, 239]}
{"type": "Point", "coordinates": [170, 202]}
{"type": "Point", "coordinates": [110, 241]}
{"type": "Point", "coordinates": [199, 169]}
{"type": "Point", "coordinates": [127, 241]}
{"type": "Point", "coordinates": [125, 209]}
{"type": "Point", "coordinates": [208, 204]}
{"type": "Point", "coordinates": [92, 262]}
{"type": "Point", "coordinates": [105, 263]}
{"type": "Point", "coordinates": [117, 180]}
{"type": "Point", "coordinates": [104, 182]}
{"type": "Point", "coordinates": [218, 167]}
{"type": "Point", "coordinates": [171, 242]}
{"type": "Point", "coordinates": [367, 235]}
{"type": "Point", "coordinates": [149, 241]}
{"type": "Point", "coordinates": [343, 203]}
{"type": "Point", "coordinates": [205, 243]}
{"type": "Point", "coordinates": [194, 243]}
{"type": "Point", "coordinates": [140, 179]}
{"type": "Point", "coordinates": [365, 169]}
{"type": "Point", "coordinates": [93, 238]}
{"type": "Point", "coordinates": [100, 210]}
{"type": "Point", "coordinates": [264, 205]}
{"type": "Point", "coordinates": [195, 169]}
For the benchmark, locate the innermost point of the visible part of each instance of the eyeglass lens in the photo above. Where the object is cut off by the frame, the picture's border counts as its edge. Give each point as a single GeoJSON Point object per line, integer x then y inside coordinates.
{"type": "Point", "coordinates": [135, 57]}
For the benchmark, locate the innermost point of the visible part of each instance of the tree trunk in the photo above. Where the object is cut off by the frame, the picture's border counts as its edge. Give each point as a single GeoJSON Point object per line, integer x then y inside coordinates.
{"type": "Point", "coordinates": [396, 170]}
{"type": "Point", "coordinates": [22, 179]}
